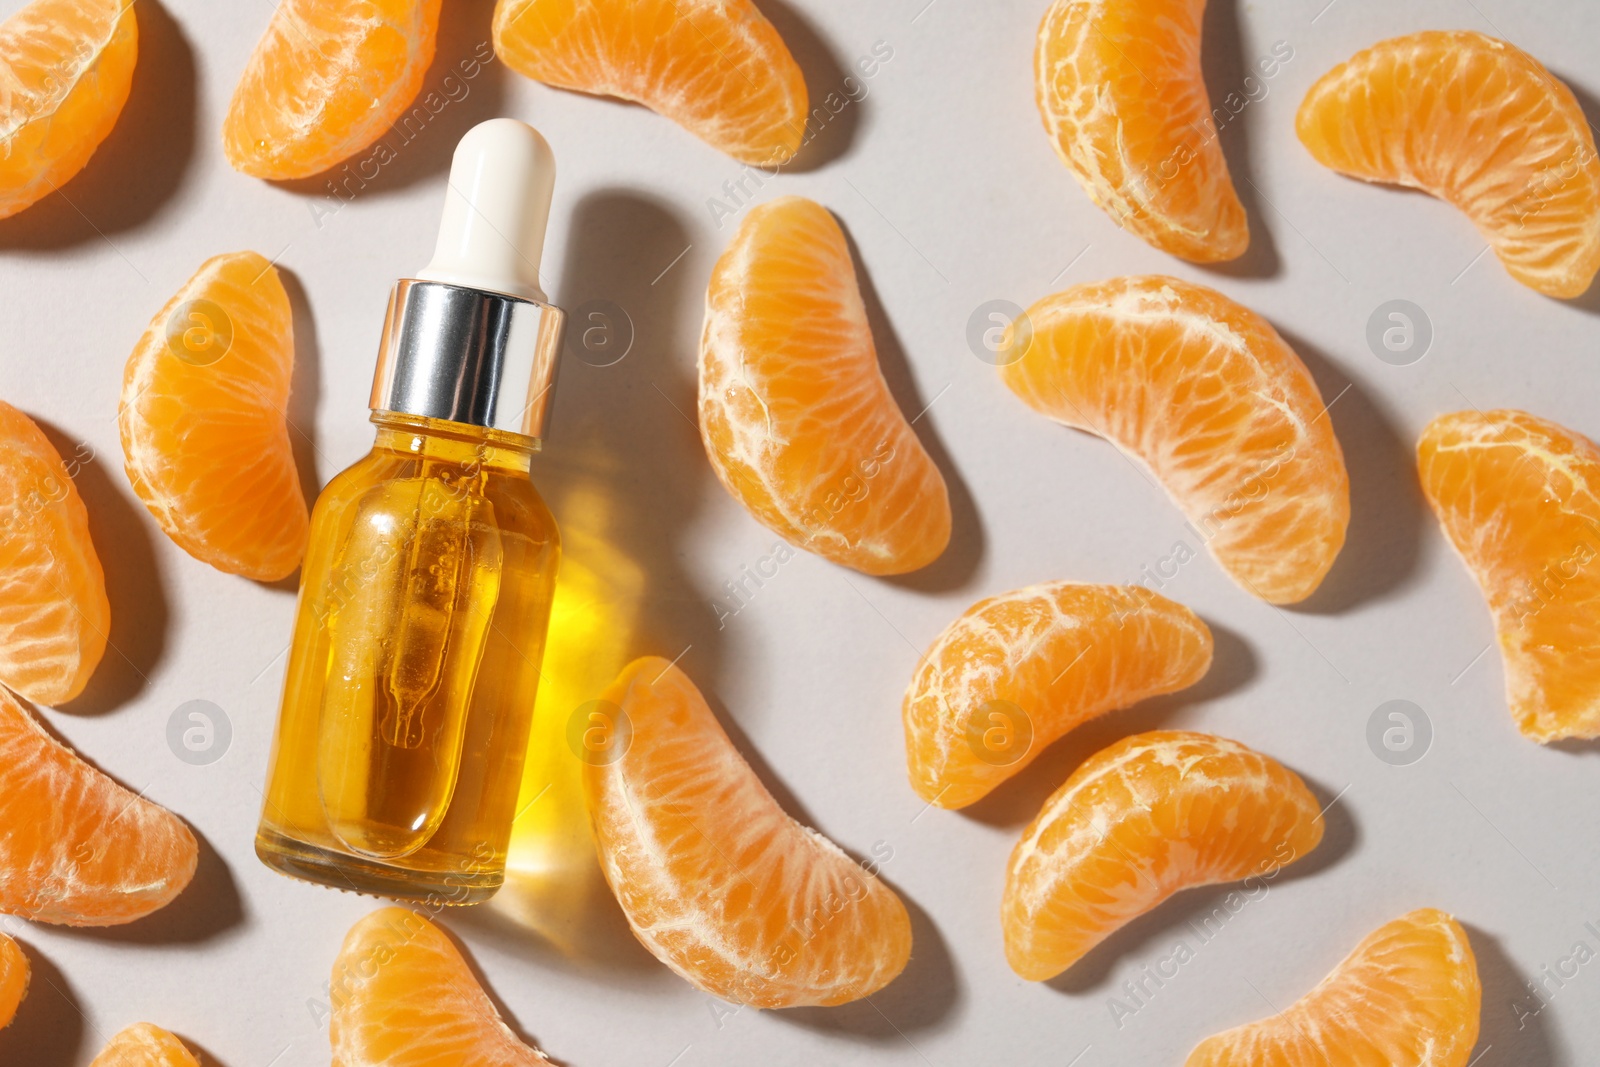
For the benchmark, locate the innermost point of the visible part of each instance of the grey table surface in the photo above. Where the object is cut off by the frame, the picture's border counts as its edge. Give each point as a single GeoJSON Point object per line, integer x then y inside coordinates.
{"type": "Point", "coordinates": [940, 172]}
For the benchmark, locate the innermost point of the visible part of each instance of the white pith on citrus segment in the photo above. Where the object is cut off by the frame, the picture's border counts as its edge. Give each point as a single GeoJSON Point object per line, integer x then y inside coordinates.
{"type": "Point", "coordinates": [1089, 92]}
{"type": "Point", "coordinates": [794, 410]}
{"type": "Point", "coordinates": [1066, 660]}
{"type": "Point", "coordinates": [326, 81]}
{"type": "Point", "coordinates": [403, 996]}
{"type": "Point", "coordinates": [716, 880]}
{"type": "Point", "coordinates": [66, 90]}
{"type": "Point", "coordinates": [1480, 124]}
{"type": "Point", "coordinates": [145, 1045]}
{"type": "Point", "coordinates": [718, 68]}
{"type": "Point", "coordinates": [60, 870]}
{"type": "Point", "coordinates": [1261, 476]}
{"type": "Point", "coordinates": [54, 614]}
{"type": "Point", "coordinates": [1160, 836]}
{"type": "Point", "coordinates": [1385, 1004]}
{"type": "Point", "coordinates": [246, 450]}
{"type": "Point", "coordinates": [1525, 481]}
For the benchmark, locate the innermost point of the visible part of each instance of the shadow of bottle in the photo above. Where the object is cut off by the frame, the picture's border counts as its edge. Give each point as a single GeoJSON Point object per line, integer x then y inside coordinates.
{"type": "Point", "coordinates": [624, 474]}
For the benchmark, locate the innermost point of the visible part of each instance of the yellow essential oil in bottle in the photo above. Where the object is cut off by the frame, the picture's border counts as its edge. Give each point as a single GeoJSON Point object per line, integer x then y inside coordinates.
{"type": "Point", "coordinates": [426, 589]}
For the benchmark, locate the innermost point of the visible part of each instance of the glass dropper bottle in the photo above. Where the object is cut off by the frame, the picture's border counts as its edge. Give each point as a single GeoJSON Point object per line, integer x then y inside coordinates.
{"type": "Point", "coordinates": [426, 589]}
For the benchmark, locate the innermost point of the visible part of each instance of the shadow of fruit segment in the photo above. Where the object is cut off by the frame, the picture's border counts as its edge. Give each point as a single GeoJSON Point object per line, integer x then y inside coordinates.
{"type": "Point", "coordinates": [1388, 515]}
{"type": "Point", "coordinates": [122, 540]}
{"type": "Point", "coordinates": [48, 1028]}
{"type": "Point", "coordinates": [1513, 1022]}
{"type": "Point", "coordinates": [140, 165]}
{"type": "Point", "coordinates": [836, 94]}
{"type": "Point", "coordinates": [960, 560]}
{"type": "Point", "coordinates": [1235, 83]}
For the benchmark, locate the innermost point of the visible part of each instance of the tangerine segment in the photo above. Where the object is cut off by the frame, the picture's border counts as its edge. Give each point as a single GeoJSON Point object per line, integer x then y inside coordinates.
{"type": "Point", "coordinates": [326, 80]}
{"type": "Point", "coordinates": [1119, 85]}
{"type": "Point", "coordinates": [1018, 671]}
{"type": "Point", "coordinates": [716, 881]}
{"type": "Point", "coordinates": [1207, 396]}
{"type": "Point", "coordinates": [1481, 124]}
{"type": "Point", "coordinates": [14, 976]}
{"type": "Point", "coordinates": [404, 997]}
{"type": "Point", "coordinates": [795, 414]}
{"type": "Point", "coordinates": [54, 615]}
{"type": "Point", "coordinates": [1408, 996]}
{"type": "Point", "coordinates": [1519, 498]}
{"type": "Point", "coordinates": [205, 435]}
{"type": "Point", "coordinates": [67, 67]}
{"type": "Point", "coordinates": [75, 847]}
{"type": "Point", "coordinates": [717, 68]}
{"type": "Point", "coordinates": [145, 1045]}
{"type": "Point", "coordinates": [1149, 816]}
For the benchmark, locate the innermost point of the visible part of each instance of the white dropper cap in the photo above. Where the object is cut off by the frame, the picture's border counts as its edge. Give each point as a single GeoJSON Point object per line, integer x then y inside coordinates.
{"type": "Point", "coordinates": [491, 234]}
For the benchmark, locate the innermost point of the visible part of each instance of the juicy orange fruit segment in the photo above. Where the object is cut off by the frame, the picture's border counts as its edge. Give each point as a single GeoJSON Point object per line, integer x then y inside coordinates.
{"type": "Point", "coordinates": [403, 997]}
{"type": "Point", "coordinates": [715, 879]}
{"type": "Point", "coordinates": [795, 414]}
{"type": "Point", "coordinates": [205, 435]}
{"type": "Point", "coordinates": [54, 615]}
{"type": "Point", "coordinates": [1519, 498]}
{"type": "Point", "coordinates": [79, 849]}
{"type": "Point", "coordinates": [1123, 99]}
{"type": "Point", "coordinates": [67, 67]}
{"type": "Point", "coordinates": [14, 975]}
{"type": "Point", "coordinates": [1018, 671]}
{"type": "Point", "coordinates": [327, 79]}
{"type": "Point", "coordinates": [715, 67]}
{"type": "Point", "coordinates": [1408, 996]}
{"type": "Point", "coordinates": [144, 1045]}
{"type": "Point", "coordinates": [1205, 394]}
{"type": "Point", "coordinates": [1478, 123]}
{"type": "Point", "coordinates": [1149, 816]}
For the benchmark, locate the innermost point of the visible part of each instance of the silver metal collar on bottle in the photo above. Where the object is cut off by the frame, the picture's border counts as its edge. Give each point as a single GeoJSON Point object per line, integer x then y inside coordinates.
{"type": "Point", "coordinates": [468, 356]}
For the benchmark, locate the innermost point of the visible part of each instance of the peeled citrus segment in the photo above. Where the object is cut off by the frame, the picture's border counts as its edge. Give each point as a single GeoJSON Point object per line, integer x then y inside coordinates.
{"type": "Point", "coordinates": [75, 847]}
{"type": "Point", "coordinates": [794, 411]}
{"type": "Point", "coordinates": [54, 615]}
{"type": "Point", "coordinates": [1118, 83]}
{"type": "Point", "coordinates": [1408, 996]}
{"type": "Point", "coordinates": [1206, 395]}
{"type": "Point", "coordinates": [144, 1045]}
{"type": "Point", "coordinates": [67, 66]}
{"type": "Point", "coordinates": [403, 997]}
{"type": "Point", "coordinates": [1149, 816]}
{"type": "Point", "coordinates": [1476, 122]}
{"type": "Point", "coordinates": [327, 79]}
{"type": "Point", "coordinates": [205, 435]}
{"type": "Point", "coordinates": [1519, 498]}
{"type": "Point", "coordinates": [1018, 671]}
{"type": "Point", "coordinates": [14, 975]}
{"type": "Point", "coordinates": [715, 67]}
{"type": "Point", "coordinates": [716, 881]}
